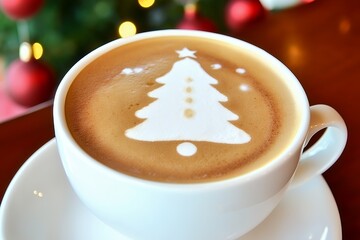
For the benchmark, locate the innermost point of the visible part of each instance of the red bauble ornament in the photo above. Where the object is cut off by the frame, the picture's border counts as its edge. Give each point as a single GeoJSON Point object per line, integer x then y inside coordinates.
{"type": "Point", "coordinates": [21, 9]}
{"type": "Point", "coordinates": [194, 21]}
{"type": "Point", "coordinates": [239, 13]}
{"type": "Point", "coordinates": [29, 83]}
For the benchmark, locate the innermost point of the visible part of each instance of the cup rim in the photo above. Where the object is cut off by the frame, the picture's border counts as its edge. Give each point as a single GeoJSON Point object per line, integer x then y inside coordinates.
{"type": "Point", "coordinates": [302, 102]}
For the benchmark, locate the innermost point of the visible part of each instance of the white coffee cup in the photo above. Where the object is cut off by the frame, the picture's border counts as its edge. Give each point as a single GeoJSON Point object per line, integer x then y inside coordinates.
{"type": "Point", "coordinates": [224, 209]}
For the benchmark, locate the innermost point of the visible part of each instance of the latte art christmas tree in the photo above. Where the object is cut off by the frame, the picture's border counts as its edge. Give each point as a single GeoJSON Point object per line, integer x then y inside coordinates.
{"type": "Point", "coordinates": [188, 108]}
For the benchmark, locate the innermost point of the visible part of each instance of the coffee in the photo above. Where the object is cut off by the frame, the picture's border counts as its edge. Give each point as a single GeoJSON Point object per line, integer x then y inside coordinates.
{"type": "Point", "coordinates": [180, 109]}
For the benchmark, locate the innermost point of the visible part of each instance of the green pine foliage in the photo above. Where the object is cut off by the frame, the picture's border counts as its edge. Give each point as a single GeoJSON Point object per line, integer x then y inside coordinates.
{"type": "Point", "coordinates": [70, 29]}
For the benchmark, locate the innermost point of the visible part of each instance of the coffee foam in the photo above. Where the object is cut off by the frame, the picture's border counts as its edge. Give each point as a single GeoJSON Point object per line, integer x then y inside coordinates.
{"type": "Point", "coordinates": [106, 102]}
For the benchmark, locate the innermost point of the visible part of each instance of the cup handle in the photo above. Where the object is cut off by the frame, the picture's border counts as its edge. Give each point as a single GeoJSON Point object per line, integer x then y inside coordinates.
{"type": "Point", "coordinates": [327, 149]}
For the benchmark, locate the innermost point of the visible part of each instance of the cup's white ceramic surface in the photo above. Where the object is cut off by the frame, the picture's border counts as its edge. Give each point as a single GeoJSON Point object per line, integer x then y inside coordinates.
{"type": "Point", "coordinates": [226, 209]}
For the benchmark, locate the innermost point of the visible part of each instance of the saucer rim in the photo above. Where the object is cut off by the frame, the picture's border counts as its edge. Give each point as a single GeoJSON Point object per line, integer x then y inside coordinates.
{"type": "Point", "coordinates": [51, 144]}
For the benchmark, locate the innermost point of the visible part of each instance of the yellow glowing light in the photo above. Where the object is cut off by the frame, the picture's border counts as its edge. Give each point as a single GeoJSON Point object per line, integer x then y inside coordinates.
{"type": "Point", "coordinates": [28, 51]}
{"type": "Point", "coordinates": [127, 29]}
{"type": "Point", "coordinates": [37, 50]}
{"type": "Point", "coordinates": [146, 3]}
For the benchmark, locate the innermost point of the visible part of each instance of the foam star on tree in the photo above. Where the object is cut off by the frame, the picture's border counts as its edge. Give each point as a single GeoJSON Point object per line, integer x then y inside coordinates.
{"type": "Point", "coordinates": [185, 52]}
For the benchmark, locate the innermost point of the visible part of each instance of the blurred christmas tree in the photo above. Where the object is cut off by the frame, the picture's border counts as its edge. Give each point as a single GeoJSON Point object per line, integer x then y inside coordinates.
{"type": "Point", "coordinates": [67, 30]}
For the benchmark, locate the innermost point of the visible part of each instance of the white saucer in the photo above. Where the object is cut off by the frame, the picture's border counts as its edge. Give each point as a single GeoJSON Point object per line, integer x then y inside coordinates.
{"type": "Point", "coordinates": [39, 204]}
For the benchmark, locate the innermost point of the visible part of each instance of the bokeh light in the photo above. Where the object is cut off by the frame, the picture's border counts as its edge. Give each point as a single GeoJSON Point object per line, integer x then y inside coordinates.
{"type": "Point", "coordinates": [344, 26]}
{"type": "Point", "coordinates": [25, 52]}
{"type": "Point", "coordinates": [146, 3]}
{"type": "Point", "coordinates": [28, 51]}
{"type": "Point", "coordinates": [127, 29]}
{"type": "Point", "coordinates": [37, 50]}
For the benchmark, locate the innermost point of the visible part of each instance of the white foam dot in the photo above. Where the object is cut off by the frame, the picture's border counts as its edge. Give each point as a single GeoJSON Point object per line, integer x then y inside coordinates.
{"type": "Point", "coordinates": [244, 87]}
{"type": "Point", "coordinates": [186, 149]}
{"type": "Point", "coordinates": [130, 71]}
{"type": "Point", "coordinates": [241, 70]}
{"type": "Point", "coordinates": [127, 71]}
{"type": "Point", "coordinates": [138, 70]}
{"type": "Point", "coordinates": [216, 66]}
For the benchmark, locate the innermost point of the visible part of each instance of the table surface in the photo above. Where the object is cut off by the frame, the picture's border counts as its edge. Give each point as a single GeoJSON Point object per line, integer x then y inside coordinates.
{"type": "Point", "coordinates": [319, 42]}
